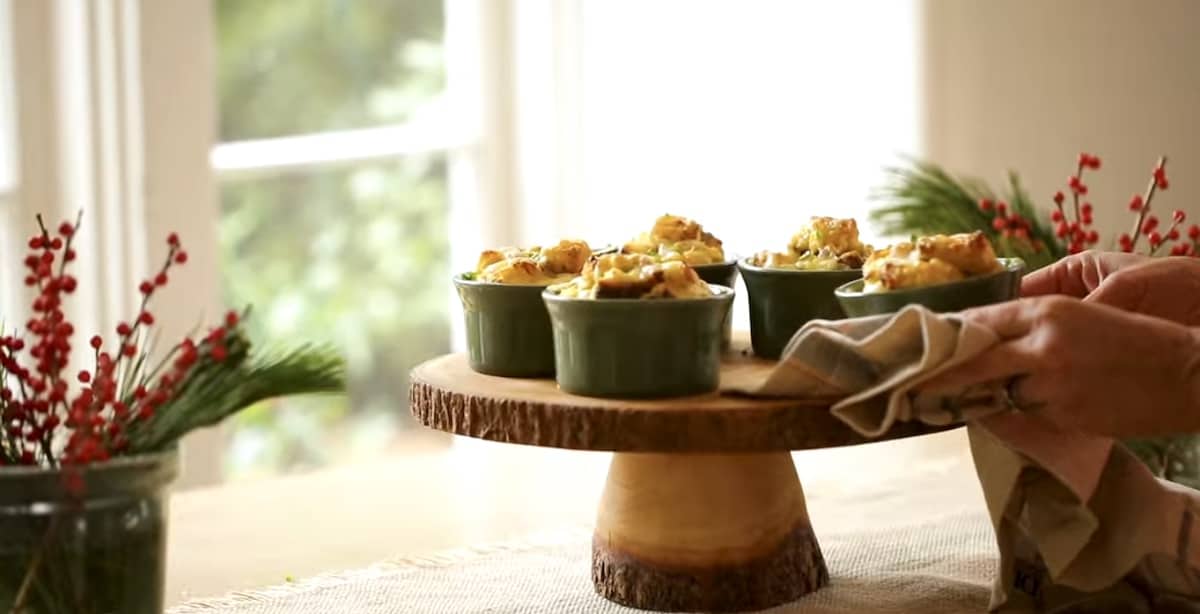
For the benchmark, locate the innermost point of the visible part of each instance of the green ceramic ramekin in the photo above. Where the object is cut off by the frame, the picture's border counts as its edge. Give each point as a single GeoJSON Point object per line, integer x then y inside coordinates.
{"type": "Point", "coordinates": [721, 274]}
{"type": "Point", "coordinates": [508, 330]}
{"type": "Point", "coordinates": [782, 300]}
{"type": "Point", "coordinates": [638, 348]}
{"type": "Point", "coordinates": [954, 296]}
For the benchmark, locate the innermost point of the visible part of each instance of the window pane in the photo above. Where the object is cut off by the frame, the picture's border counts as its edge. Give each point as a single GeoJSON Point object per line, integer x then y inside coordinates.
{"type": "Point", "coordinates": [301, 66]}
{"type": "Point", "coordinates": [356, 256]}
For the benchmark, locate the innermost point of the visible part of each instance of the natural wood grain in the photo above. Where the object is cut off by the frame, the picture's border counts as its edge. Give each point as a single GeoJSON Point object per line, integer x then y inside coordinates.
{"type": "Point", "coordinates": [447, 395]}
{"type": "Point", "coordinates": [704, 532]}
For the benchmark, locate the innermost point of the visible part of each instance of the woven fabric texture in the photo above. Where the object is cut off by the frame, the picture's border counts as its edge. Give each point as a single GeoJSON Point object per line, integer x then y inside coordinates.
{"type": "Point", "coordinates": [936, 566]}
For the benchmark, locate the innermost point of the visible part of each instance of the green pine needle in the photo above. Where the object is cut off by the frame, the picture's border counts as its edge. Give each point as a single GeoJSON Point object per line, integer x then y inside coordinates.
{"type": "Point", "coordinates": [217, 390]}
{"type": "Point", "coordinates": [923, 199]}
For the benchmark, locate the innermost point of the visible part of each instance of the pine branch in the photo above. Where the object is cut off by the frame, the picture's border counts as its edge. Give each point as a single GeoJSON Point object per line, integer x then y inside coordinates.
{"type": "Point", "coordinates": [923, 199]}
{"type": "Point", "coordinates": [217, 390]}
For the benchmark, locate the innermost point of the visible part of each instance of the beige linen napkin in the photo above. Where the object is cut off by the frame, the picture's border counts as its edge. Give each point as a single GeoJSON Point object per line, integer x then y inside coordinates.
{"type": "Point", "coordinates": [1081, 524]}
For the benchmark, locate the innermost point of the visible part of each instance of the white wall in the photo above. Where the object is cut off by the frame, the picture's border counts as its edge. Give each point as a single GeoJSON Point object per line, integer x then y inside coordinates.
{"type": "Point", "coordinates": [1027, 85]}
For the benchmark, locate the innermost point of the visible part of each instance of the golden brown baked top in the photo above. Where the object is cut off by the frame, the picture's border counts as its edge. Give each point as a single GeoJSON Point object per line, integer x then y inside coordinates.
{"type": "Point", "coordinates": [824, 244]}
{"type": "Point", "coordinates": [634, 276]}
{"type": "Point", "coordinates": [930, 260]}
{"type": "Point", "coordinates": [539, 266]}
{"type": "Point", "coordinates": [675, 238]}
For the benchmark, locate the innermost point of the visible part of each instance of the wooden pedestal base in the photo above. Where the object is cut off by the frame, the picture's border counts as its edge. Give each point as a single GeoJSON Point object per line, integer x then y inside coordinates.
{"type": "Point", "coordinates": [704, 532]}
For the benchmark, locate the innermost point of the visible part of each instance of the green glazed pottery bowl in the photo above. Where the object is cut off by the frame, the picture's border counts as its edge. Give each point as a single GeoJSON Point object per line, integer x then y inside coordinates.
{"type": "Point", "coordinates": [721, 274]}
{"type": "Point", "coordinates": [781, 301]}
{"type": "Point", "coordinates": [508, 330]}
{"type": "Point", "coordinates": [953, 296]}
{"type": "Point", "coordinates": [638, 348]}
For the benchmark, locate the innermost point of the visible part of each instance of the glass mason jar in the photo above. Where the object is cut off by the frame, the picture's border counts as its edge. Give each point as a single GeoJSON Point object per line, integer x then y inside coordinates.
{"type": "Point", "coordinates": [89, 543]}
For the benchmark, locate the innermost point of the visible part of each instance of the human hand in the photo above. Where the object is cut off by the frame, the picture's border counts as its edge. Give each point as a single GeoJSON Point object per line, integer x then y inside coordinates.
{"type": "Point", "coordinates": [1167, 288]}
{"type": "Point", "coordinates": [1078, 275]}
{"type": "Point", "coordinates": [1086, 366]}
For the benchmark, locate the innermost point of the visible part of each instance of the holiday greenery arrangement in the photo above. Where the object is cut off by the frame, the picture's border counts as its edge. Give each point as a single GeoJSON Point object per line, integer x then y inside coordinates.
{"type": "Point", "coordinates": [85, 453]}
{"type": "Point", "coordinates": [922, 198]}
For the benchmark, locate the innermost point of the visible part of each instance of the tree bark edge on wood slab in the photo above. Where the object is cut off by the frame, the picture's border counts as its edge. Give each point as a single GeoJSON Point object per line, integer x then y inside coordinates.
{"type": "Point", "coordinates": [796, 568]}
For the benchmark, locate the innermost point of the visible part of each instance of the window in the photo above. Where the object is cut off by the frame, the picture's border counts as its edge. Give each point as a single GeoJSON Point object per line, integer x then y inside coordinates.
{"type": "Point", "coordinates": [333, 186]}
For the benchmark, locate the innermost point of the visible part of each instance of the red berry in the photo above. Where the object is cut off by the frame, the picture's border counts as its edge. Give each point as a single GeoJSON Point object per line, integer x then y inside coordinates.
{"type": "Point", "coordinates": [1086, 208]}
{"type": "Point", "coordinates": [1194, 232]}
{"type": "Point", "coordinates": [1173, 234]}
{"type": "Point", "coordinates": [36, 242]}
{"type": "Point", "coordinates": [124, 329]}
{"type": "Point", "coordinates": [1062, 230]}
{"type": "Point", "coordinates": [1178, 216]}
{"type": "Point", "coordinates": [1002, 208]}
{"type": "Point", "coordinates": [146, 287]}
{"type": "Point", "coordinates": [69, 284]}
{"type": "Point", "coordinates": [146, 318]}
{"type": "Point", "coordinates": [1093, 237]}
{"type": "Point", "coordinates": [181, 257]}
{"type": "Point", "coordinates": [69, 255]}
{"type": "Point", "coordinates": [1086, 218]}
{"type": "Point", "coordinates": [1085, 159]}
{"type": "Point", "coordinates": [97, 342]}
{"type": "Point", "coordinates": [1160, 174]}
{"type": "Point", "coordinates": [160, 279]}
{"type": "Point", "coordinates": [1058, 198]}
{"type": "Point", "coordinates": [219, 353]}
{"type": "Point", "coordinates": [999, 223]}
{"type": "Point", "coordinates": [231, 319]}
{"type": "Point", "coordinates": [1149, 225]}
{"type": "Point", "coordinates": [1056, 216]}
{"type": "Point", "coordinates": [1094, 163]}
{"type": "Point", "coordinates": [30, 280]}
{"type": "Point", "coordinates": [84, 377]}
{"type": "Point", "coordinates": [56, 243]}
{"type": "Point", "coordinates": [985, 204]}
{"type": "Point", "coordinates": [1178, 249]}
{"type": "Point", "coordinates": [173, 239]}
{"type": "Point", "coordinates": [1125, 241]}
{"type": "Point", "coordinates": [66, 229]}
{"type": "Point", "coordinates": [1073, 182]}
{"type": "Point", "coordinates": [129, 350]}
{"type": "Point", "coordinates": [1155, 239]}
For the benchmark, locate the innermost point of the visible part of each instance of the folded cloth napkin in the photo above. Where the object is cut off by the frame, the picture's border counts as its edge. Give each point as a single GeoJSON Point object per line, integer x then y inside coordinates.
{"type": "Point", "coordinates": [1081, 524]}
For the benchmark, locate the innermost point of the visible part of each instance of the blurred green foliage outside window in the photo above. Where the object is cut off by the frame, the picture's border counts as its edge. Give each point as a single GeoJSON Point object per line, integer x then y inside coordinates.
{"type": "Point", "coordinates": [352, 253]}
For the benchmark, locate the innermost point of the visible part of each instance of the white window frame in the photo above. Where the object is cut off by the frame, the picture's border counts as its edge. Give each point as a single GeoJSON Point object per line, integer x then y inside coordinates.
{"type": "Point", "coordinates": [8, 252]}
{"type": "Point", "coordinates": [106, 124]}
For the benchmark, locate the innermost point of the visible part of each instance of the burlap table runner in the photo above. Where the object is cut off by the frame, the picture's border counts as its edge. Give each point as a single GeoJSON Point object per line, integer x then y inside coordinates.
{"type": "Point", "coordinates": [936, 565]}
{"type": "Point", "coordinates": [1081, 524]}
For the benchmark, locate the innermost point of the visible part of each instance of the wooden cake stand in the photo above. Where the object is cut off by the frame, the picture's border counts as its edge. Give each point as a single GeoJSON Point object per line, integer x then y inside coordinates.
{"type": "Point", "coordinates": [702, 511]}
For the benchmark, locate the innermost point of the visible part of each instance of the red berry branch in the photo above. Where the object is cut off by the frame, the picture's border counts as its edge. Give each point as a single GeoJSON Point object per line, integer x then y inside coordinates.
{"type": "Point", "coordinates": [46, 419]}
{"type": "Point", "coordinates": [1076, 230]}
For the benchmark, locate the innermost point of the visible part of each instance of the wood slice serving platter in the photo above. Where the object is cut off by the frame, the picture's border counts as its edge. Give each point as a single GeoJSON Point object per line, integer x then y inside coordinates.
{"type": "Point", "coordinates": [702, 510]}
